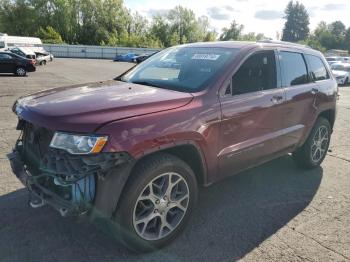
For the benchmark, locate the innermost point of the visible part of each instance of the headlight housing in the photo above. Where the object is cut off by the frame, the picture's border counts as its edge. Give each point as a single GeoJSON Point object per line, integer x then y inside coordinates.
{"type": "Point", "coordinates": [78, 144]}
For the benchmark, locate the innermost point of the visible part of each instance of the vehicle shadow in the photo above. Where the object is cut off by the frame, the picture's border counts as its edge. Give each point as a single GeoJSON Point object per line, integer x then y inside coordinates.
{"type": "Point", "coordinates": [10, 75]}
{"type": "Point", "coordinates": [232, 218]}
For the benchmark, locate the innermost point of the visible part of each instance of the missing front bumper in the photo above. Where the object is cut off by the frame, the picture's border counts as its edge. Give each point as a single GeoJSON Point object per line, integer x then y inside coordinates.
{"type": "Point", "coordinates": [41, 195]}
{"type": "Point", "coordinates": [71, 191]}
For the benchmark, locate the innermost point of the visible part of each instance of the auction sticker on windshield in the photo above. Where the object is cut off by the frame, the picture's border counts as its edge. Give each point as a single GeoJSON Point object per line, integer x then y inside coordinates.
{"type": "Point", "coordinates": [205, 57]}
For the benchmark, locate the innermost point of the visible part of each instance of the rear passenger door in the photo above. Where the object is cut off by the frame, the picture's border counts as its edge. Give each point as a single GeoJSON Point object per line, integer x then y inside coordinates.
{"type": "Point", "coordinates": [300, 92]}
{"type": "Point", "coordinates": [251, 114]}
{"type": "Point", "coordinates": [320, 76]}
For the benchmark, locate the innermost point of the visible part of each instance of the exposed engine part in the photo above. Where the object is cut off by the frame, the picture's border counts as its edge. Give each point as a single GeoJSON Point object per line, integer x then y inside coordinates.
{"type": "Point", "coordinates": [71, 168]}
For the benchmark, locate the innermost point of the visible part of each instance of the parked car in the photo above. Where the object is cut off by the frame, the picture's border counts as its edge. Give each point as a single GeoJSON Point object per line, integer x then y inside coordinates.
{"type": "Point", "coordinates": [341, 71]}
{"type": "Point", "coordinates": [24, 52]}
{"type": "Point", "coordinates": [15, 64]}
{"type": "Point", "coordinates": [43, 58]}
{"type": "Point", "coordinates": [346, 59]}
{"type": "Point", "coordinates": [130, 57]}
{"type": "Point", "coordinates": [140, 58]}
{"type": "Point", "coordinates": [334, 59]}
{"type": "Point", "coordinates": [135, 150]}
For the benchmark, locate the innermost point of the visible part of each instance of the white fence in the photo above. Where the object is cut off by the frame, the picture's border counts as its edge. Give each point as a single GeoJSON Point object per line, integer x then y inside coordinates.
{"type": "Point", "coordinates": [99, 52]}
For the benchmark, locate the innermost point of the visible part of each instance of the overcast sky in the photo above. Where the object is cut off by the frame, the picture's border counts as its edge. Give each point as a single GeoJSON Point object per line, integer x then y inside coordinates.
{"type": "Point", "coordinates": [262, 16]}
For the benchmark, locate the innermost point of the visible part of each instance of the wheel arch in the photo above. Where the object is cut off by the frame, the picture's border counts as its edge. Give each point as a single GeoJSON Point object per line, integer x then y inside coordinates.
{"type": "Point", "coordinates": [115, 184]}
{"type": "Point", "coordinates": [191, 154]}
{"type": "Point", "coordinates": [328, 114]}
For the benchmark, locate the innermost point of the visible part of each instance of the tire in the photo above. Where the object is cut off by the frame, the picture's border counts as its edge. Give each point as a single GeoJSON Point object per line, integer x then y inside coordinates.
{"type": "Point", "coordinates": [154, 172]}
{"type": "Point", "coordinates": [21, 71]}
{"type": "Point", "coordinates": [315, 148]}
{"type": "Point", "coordinates": [347, 82]}
{"type": "Point", "coordinates": [43, 62]}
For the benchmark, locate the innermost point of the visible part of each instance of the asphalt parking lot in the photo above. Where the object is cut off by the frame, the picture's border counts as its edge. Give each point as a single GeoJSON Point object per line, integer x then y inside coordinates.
{"type": "Point", "coordinates": [275, 212]}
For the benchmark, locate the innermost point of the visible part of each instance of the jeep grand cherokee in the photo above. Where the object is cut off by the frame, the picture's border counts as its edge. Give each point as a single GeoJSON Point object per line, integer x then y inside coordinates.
{"type": "Point", "coordinates": [135, 149]}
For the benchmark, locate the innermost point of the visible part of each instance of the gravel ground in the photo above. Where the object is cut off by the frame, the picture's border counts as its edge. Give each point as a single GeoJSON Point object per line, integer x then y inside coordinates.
{"type": "Point", "coordinates": [275, 212]}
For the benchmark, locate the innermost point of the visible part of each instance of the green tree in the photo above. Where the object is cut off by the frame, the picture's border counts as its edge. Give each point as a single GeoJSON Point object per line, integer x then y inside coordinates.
{"type": "Point", "coordinates": [232, 33]}
{"type": "Point", "coordinates": [314, 43]}
{"type": "Point", "coordinates": [184, 22]}
{"type": "Point", "coordinates": [210, 36]}
{"type": "Point", "coordinates": [160, 29]}
{"type": "Point", "coordinates": [296, 28]}
{"type": "Point", "coordinates": [49, 35]}
{"type": "Point", "coordinates": [17, 17]}
{"type": "Point", "coordinates": [338, 31]}
{"type": "Point", "coordinates": [252, 37]}
{"type": "Point", "coordinates": [347, 40]}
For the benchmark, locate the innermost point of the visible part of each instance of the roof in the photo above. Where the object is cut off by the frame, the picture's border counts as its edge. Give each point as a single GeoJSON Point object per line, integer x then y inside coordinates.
{"type": "Point", "coordinates": [242, 44]}
{"type": "Point", "coordinates": [222, 44]}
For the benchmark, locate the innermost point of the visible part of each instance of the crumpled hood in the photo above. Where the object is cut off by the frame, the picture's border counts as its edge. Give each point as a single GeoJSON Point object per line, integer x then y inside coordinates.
{"type": "Point", "coordinates": [339, 73]}
{"type": "Point", "coordinates": [84, 108]}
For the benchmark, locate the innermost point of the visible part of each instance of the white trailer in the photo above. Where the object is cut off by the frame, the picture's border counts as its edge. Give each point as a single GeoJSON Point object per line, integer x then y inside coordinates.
{"type": "Point", "coordinates": [32, 43]}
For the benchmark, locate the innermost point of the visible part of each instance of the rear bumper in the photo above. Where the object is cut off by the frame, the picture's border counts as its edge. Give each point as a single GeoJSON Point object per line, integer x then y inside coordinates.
{"type": "Point", "coordinates": [31, 68]}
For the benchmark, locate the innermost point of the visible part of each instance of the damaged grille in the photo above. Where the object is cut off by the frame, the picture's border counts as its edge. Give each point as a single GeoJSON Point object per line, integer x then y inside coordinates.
{"type": "Point", "coordinates": [71, 168]}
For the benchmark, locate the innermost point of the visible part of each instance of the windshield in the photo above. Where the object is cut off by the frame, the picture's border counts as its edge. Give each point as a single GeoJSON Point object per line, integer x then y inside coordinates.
{"type": "Point", "coordinates": [341, 68]}
{"type": "Point", "coordinates": [2, 44]}
{"type": "Point", "coordinates": [186, 69]}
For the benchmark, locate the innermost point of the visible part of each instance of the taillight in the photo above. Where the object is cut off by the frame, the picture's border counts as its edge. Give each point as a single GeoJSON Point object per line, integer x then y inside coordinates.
{"type": "Point", "coordinates": [32, 61]}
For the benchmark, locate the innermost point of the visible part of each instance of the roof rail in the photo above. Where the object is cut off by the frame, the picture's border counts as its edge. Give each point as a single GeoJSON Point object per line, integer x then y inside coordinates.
{"type": "Point", "coordinates": [268, 41]}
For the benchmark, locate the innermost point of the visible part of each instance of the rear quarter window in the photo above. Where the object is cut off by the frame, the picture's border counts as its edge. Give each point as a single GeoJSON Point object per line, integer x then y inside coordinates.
{"type": "Point", "coordinates": [317, 68]}
{"type": "Point", "coordinates": [293, 68]}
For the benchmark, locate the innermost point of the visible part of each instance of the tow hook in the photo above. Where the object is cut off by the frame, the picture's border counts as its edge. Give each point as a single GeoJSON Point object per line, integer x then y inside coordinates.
{"type": "Point", "coordinates": [36, 202]}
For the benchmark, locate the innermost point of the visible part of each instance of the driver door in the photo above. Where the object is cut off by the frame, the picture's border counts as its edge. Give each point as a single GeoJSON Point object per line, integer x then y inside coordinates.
{"type": "Point", "coordinates": [251, 114]}
{"type": "Point", "coordinates": [6, 63]}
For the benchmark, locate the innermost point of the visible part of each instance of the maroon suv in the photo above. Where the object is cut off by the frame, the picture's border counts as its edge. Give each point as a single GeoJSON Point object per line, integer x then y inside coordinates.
{"type": "Point", "coordinates": [136, 149]}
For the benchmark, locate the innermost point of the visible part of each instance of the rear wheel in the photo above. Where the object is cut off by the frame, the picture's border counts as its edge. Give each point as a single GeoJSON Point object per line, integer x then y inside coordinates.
{"type": "Point", "coordinates": [156, 203]}
{"type": "Point", "coordinates": [20, 71]}
{"type": "Point", "coordinates": [314, 150]}
{"type": "Point", "coordinates": [43, 62]}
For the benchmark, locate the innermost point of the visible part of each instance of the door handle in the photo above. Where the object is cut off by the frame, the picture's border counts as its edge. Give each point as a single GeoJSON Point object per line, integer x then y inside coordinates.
{"type": "Point", "coordinates": [314, 91]}
{"type": "Point", "coordinates": [276, 99]}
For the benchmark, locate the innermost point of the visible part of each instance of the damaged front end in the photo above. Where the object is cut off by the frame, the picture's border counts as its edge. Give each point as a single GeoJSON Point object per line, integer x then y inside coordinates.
{"type": "Point", "coordinates": [55, 177]}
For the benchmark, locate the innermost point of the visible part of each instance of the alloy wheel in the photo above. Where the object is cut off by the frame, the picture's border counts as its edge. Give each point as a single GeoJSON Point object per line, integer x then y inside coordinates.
{"type": "Point", "coordinates": [20, 71]}
{"type": "Point", "coordinates": [161, 206]}
{"type": "Point", "coordinates": [320, 144]}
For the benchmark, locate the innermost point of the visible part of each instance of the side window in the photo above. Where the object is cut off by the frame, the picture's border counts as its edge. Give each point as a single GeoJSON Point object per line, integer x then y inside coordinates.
{"type": "Point", "coordinates": [317, 69]}
{"type": "Point", "coordinates": [294, 69]}
{"type": "Point", "coordinates": [257, 73]}
{"type": "Point", "coordinates": [5, 57]}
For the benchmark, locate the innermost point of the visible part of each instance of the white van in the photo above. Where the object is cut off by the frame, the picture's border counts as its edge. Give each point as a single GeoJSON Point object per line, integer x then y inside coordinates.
{"type": "Point", "coordinates": [32, 43]}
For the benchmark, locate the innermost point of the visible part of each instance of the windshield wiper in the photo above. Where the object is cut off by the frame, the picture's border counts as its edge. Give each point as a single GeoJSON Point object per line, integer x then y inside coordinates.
{"type": "Point", "coordinates": [146, 83]}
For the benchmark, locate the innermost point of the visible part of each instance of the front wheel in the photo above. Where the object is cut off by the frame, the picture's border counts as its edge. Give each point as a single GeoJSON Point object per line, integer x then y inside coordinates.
{"type": "Point", "coordinates": [314, 150]}
{"type": "Point", "coordinates": [156, 203]}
